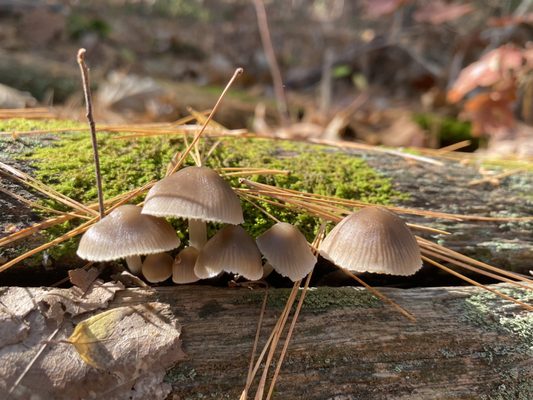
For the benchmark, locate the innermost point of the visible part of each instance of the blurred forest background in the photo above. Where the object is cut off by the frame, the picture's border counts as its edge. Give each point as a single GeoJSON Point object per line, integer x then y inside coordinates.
{"type": "Point", "coordinates": [392, 72]}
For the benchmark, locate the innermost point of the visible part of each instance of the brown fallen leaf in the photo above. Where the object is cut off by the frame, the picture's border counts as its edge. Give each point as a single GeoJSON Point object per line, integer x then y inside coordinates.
{"type": "Point", "coordinates": [83, 278]}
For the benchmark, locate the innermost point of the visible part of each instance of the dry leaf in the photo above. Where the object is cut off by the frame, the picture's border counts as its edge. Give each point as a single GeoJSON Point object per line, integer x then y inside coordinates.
{"type": "Point", "coordinates": [133, 348]}
{"type": "Point", "coordinates": [491, 113]}
{"type": "Point", "coordinates": [81, 278]}
{"type": "Point", "coordinates": [90, 336]}
{"type": "Point", "coordinates": [494, 67]}
{"type": "Point", "coordinates": [112, 338]}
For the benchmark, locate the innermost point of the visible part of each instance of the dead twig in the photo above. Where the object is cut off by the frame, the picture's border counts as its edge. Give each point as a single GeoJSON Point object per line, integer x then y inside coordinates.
{"type": "Point", "coordinates": [264, 32]}
{"type": "Point", "coordinates": [89, 107]}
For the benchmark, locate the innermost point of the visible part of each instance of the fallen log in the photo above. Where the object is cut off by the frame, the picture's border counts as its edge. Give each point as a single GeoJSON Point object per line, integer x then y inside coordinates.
{"type": "Point", "coordinates": [465, 344]}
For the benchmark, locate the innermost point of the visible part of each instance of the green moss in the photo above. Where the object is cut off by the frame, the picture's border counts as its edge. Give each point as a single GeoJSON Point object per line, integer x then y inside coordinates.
{"type": "Point", "coordinates": [316, 299]}
{"type": "Point", "coordinates": [315, 169]}
{"type": "Point", "coordinates": [66, 164]}
{"type": "Point", "coordinates": [23, 125]}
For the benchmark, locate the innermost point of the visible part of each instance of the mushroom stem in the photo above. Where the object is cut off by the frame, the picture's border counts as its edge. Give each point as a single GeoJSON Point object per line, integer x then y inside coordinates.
{"type": "Point", "coordinates": [134, 264]}
{"type": "Point", "coordinates": [197, 233]}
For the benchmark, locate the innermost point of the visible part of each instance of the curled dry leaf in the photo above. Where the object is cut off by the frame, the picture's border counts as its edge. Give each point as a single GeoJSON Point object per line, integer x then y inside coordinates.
{"type": "Point", "coordinates": [494, 67]}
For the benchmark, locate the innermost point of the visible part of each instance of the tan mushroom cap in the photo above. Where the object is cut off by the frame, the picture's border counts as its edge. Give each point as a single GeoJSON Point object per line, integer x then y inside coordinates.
{"type": "Point", "coordinates": [194, 193]}
{"type": "Point", "coordinates": [183, 266]}
{"type": "Point", "coordinates": [231, 250]}
{"type": "Point", "coordinates": [286, 248]}
{"type": "Point", "coordinates": [126, 232]}
{"type": "Point", "coordinates": [373, 240]}
{"type": "Point", "coordinates": [157, 267]}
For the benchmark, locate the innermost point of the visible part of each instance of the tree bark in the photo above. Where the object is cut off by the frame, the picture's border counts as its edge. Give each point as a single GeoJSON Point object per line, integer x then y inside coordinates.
{"type": "Point", "coordinates": [466, 343]}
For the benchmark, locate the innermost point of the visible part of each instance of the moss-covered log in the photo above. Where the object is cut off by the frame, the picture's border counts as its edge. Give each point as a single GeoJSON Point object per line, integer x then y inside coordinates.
{"type": "Point", "coordinates": [65, 162]}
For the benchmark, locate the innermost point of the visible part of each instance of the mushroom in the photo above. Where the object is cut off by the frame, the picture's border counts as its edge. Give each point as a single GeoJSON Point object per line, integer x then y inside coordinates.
{"type": "Point", "coordinates": [198, 194]}
{"type": "Point", "coordinates": [286, 248]}
{"type": "Point", "coordinates": [157, 267]}
{"type": "Point", "coordinates": [373, 240]}
{"type": "Point", "coordinates": [231, 250]}
{"type": "Point", "coordinates": [183, 266]}
{"type": "Point", "coordinates": [126, 233]}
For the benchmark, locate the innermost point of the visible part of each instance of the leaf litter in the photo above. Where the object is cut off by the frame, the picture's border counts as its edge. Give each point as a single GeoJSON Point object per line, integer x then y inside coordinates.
{"type": "Point", "coordinates": [122, 351]}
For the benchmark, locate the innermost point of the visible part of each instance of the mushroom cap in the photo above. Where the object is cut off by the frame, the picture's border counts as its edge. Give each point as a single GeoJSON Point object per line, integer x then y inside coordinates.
{"type": "Point", "coordinates": [157, 267]}
{"type": "Point", "coordinates": [183, 266]}
{"type": "Point", "coordinates": [126, 232]}
{"type": "Point", "coordinates": [231, 250]}
{"type": "Point", "coordinates": [373, 240]}
{"type": "Point", "coordinates": [286, 248]}
{"type": "Point", "coordinates": [194, 193]}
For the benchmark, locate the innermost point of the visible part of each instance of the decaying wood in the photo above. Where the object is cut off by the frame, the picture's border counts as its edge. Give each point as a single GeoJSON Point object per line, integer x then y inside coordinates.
{"type": "Point", "coordinates": [466, 344]}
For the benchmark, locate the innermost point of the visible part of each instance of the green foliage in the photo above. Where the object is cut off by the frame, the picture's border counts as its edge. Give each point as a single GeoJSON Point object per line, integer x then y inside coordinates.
{"type": "Point", "coordinates": [194, 10]}
{"type": "Point", "coordinates": [81, 24]}
{"type": "Point", "coordinates": [450, 130]}
{"type": "Point", "coordinates": [341, 71]}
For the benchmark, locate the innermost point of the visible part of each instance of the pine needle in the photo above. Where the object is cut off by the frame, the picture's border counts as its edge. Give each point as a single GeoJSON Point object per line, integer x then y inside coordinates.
{"type": "Point", "coordinates": [44, 189]}
{"type": "Point", "coordinates": [473, 282]}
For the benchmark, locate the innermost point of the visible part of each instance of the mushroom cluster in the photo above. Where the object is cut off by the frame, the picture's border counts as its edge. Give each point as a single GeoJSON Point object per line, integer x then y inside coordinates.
{"type": "Point", "coordinates": [371, 240]}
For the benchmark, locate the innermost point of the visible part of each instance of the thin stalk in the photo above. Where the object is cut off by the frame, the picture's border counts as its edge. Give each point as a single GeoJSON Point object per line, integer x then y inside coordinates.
{"type": "Point", "coordinates": [134, 264]}
{"type": "Point", "coordinates": [381, 296]}
{"type": "Point", "coordinates": [261, 187]}
{"type": "Point", "coordinates": [264, 32]}
{"type": "Point", "coordinates": [89, 107]}
{"type": "Point", "coordinates": [474, 269]}
{"type": "Point", "coordinates": [236, 74]}
{"type": "Point", "coordinates": [197, 233]}
{"type": "Point", "coordinates": [275, 340]}
{"type": "Point", "coordinates": [43, 188]}
{"type": "Point", "coordinates": [475, 283]}
{"type": "Point", "coordinates": [458, 256]}
{"type": "Point", "coordinates": [74, 232]}
{"type": "Point", "coordinates": [34, 359]}
{"type": "Point", "coordinates": [244, 394]}
{"type": "Point", "coordinates": [289, 335]}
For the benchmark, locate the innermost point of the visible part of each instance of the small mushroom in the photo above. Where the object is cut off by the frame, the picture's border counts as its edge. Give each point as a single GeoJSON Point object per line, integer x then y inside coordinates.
{"type": "Point", "coordinates": [157, 267]}
{"type": "Point", "coordinates": [126, 233]}
{"type": "Point", "coordinates": [198, 194]}
{"type": "Point", "coordinates": [373, 240]}
{"type": "Point", "coordinates": [231, 250]}
{"type": "Point", "coordinates": [183, 266]}
{"type": "Point", "coordinates": [286, 248]}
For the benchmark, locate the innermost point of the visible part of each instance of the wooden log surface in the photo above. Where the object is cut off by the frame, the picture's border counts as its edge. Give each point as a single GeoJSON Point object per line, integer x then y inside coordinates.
{"type": "Point", "coordinates": [466, 343]}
